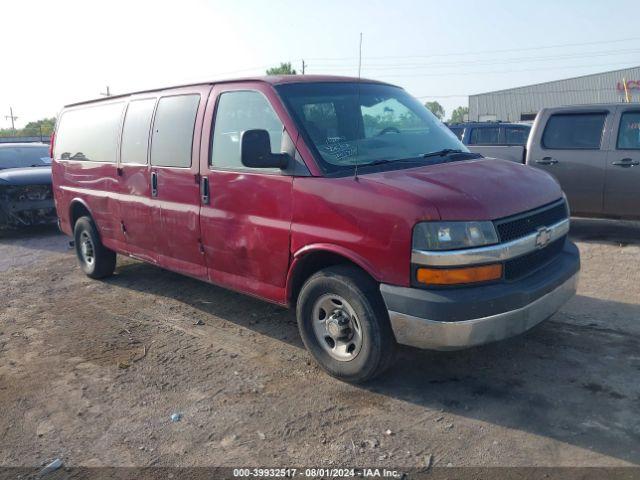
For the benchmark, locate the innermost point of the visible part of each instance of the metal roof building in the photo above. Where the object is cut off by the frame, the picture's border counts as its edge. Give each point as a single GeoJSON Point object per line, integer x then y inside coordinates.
{"type": "Point", "coordinates": [523, 103]}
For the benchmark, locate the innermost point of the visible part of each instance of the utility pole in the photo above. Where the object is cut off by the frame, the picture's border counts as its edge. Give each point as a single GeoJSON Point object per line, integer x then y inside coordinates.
{"type": "Point", "coordinates": [107, 94]}
{"type": "Point", "coordinates": [12, 117]}
{"type": "Point", "coordinates": [303, 66]}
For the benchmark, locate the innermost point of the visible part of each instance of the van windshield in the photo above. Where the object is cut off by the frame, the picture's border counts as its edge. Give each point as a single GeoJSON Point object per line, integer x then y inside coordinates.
{"type": "Point", "coordinates": [19, 157]}
{"type": "Point", "coordinates": [366, 124]}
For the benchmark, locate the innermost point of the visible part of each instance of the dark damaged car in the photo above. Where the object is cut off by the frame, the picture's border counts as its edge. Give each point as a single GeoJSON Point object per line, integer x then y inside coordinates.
{"type": "Point", "coordinates": [25, 185]}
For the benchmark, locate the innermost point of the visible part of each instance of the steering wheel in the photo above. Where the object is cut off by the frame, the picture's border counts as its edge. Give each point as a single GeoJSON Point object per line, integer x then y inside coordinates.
{"type": "Point", "coordinates": [384, 131]}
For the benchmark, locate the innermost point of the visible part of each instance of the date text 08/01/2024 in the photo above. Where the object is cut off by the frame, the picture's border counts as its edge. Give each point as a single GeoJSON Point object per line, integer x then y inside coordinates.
{"type": "Point", "coordinates": [315, 472]}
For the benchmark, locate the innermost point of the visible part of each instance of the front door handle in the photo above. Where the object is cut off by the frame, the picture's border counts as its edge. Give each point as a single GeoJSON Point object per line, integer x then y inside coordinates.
{"type": "Point", "coordinates": [154, 184]}
{"type": "Point", "coordinates": [204, 190]}
{"type": "Point", "coordinates": [547, 161]}
{"type": "Point", "coordinates": [626, 163]}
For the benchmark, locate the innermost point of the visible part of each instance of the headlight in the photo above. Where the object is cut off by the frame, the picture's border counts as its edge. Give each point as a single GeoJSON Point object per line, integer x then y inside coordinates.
{"type": "Point", "coordinates": [453, 235]}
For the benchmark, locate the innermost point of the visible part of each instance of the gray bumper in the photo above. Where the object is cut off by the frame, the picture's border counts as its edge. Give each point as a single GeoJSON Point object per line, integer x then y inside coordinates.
{"type": "Point", "coordinates": [429, 334]}
{"type": "Point", "coordinates": [453, 319]}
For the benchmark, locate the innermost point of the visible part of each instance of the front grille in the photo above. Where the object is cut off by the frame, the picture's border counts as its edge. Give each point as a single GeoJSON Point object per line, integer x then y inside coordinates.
{"type": "Point", "coordinates": [524, 224]}
{"type": "Point", "coordinates": [526, 264]}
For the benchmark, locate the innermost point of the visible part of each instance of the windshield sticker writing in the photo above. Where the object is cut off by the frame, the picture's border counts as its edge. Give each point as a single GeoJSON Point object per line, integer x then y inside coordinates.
{"type": "Point", "coordinates": [337, 147]}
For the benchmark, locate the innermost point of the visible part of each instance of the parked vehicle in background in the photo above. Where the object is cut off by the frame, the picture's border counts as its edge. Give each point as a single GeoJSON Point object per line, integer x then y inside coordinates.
{"type": "Point", "coordinates": [344, 198]}
{"type": "Point", "coordinates": [594, 152]}
{"type": "Point", "coordinates": [25, 185]}
{"type": "Point", "coordinates": [25, 139]}
{"type": "Point", "coordinates": [494, 139]}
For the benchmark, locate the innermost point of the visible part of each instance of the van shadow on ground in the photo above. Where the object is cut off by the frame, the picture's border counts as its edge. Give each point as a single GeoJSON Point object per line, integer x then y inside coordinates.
{"type": "Point", "coordinates": [574, 378]}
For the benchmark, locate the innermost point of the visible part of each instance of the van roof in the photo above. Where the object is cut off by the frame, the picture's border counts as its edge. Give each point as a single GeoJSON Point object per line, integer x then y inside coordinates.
{"type": "Point", "coordinates": [271, 79]}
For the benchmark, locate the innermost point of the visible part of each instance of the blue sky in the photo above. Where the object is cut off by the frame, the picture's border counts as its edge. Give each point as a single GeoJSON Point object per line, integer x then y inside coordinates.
{"type": "Point", "coordinates": [436, 50]}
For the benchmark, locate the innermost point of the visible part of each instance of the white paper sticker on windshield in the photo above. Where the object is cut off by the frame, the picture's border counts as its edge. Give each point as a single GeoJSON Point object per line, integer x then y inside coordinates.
{"type": "Point", "coordinates": [338, 147]}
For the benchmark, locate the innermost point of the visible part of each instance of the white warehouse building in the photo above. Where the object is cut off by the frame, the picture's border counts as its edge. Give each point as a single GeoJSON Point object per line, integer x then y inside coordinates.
{"type": "Point", "coordinates": [523, 103]}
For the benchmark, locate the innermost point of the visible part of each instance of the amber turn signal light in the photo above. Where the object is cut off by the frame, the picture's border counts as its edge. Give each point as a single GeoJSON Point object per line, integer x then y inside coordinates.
{"type": "Point", "coordinates": [453, 276]}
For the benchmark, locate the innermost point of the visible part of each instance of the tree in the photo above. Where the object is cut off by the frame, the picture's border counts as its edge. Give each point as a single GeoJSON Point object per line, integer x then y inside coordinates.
{"type": "Point", "coordinates": [436, 109]}
{"type": "Point", "coordinates": [457, 116]}
{"type": "Point", "coordinates": [282, 69]}
{"type": "Point", "coordinates": [42, 127]}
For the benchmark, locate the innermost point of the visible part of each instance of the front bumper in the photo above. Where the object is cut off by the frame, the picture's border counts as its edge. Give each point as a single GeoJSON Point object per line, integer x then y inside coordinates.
{"type": "Point", "coordinates": [27, 212]}
{"type": "Point", "coordinates": [453, 319]}
{"type": "Point", "coordinates": [24, 205]}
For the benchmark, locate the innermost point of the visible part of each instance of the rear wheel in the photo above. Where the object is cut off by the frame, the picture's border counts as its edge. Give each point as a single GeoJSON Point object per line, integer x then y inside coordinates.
{"type": "Point", "coordinates": [96, 260]}
{"type": "Point", "coordinates": [344, 324]}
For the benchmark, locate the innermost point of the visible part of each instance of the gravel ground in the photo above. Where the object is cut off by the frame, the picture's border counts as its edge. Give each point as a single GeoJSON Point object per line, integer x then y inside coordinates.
{"type": "Point", "coordinates": [90, 371]}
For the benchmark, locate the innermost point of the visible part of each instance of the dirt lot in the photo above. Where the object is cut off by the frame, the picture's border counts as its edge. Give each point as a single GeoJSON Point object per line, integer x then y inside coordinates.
{"type": "Point", "coordinates": [567, 393]}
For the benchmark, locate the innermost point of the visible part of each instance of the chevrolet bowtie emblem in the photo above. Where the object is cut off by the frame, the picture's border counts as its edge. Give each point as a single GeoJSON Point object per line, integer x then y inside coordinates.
{"type": "Point", "coordinates": [543, 237]}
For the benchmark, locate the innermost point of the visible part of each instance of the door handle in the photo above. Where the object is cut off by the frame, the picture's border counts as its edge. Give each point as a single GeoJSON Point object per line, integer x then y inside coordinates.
{"type": "Point", "coordinates": [626, 163]}
{"type": "Point", "coordinates": [547, 161]}
{"type": "Point", "coordinates": [154, 184]}
{"type": "Point", "coordinates": [204, 190]}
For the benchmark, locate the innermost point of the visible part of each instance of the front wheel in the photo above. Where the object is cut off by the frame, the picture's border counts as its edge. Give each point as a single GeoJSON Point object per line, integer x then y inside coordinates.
{"type": "Point", "coordinates": [96, 260]}
{"type": "Point", "coordinates": [344, 324]}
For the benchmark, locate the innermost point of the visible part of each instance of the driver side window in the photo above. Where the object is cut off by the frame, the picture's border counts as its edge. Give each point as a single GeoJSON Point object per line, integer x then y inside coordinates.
{"type": "Point", "coordinates": [238, 111]}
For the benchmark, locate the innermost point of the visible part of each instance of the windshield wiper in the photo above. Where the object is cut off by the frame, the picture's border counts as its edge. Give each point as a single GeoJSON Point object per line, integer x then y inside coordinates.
{"type": "Point", "coordinates": [450, 152]}
{"type": "Point", "coordinates": [442, 153]}
{"type": "Point", "coordinates": [439, 153]}
{"type": "Point", "coordinates": [377, 162]}
{"type": "Point", "coordinates": [396, 160]}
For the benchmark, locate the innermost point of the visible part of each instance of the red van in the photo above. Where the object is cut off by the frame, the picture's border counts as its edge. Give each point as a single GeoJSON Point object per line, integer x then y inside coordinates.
{"type": "Point", "coordinates": [344, 198]}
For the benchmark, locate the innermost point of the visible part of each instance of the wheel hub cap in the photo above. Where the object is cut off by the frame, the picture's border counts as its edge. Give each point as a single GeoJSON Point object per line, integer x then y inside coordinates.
{"type": "Point", "coordinates": [337, 327]}
{"type": "Point", "coordinates": [86, 248]}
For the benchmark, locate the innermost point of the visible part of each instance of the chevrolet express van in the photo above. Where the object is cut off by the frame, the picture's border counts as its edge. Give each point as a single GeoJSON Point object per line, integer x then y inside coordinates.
{"type": "Point", "coordinates": [345, 199]}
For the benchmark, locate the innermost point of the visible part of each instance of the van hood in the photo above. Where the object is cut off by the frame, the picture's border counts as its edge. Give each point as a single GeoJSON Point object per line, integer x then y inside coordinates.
{"type": "Point", "coordinates": [479, 189]}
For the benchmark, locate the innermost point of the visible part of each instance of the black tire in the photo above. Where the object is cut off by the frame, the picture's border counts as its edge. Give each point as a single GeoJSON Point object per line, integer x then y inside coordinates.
{"type": "Point", "coordinates": [362, 293]}
{"type": "Point", "coordinates": [101, 262]}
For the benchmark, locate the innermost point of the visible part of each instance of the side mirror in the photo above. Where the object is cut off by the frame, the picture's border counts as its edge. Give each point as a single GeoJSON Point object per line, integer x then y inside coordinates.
{"type": "Point", "coordinates": [255, 151]}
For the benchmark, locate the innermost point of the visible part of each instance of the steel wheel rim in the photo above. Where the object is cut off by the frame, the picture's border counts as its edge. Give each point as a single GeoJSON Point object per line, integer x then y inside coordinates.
{"type": "Point", "coordinates": [87, 250]}
{"type": "Point", "coordinates": [337, 327]}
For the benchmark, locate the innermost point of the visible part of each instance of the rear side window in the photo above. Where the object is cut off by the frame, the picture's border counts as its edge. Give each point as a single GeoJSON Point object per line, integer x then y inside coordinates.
{"type": "Point", "coordinates": [485, 136]}
{"type": "Point", "coordinates": [89, 133]}
{"type": "Point", "coordinates": [172, 139]}
{"type": "Point", "coordinates": [135, 133]}
{"type": "Point", "coordinates": [516, 135]}
{"type": "Point", "coordinates": [237, 112]}
{"type": "Point", "coordinates": [574, 131]}
{"type": "Point", "coordinates": [629, 131]}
